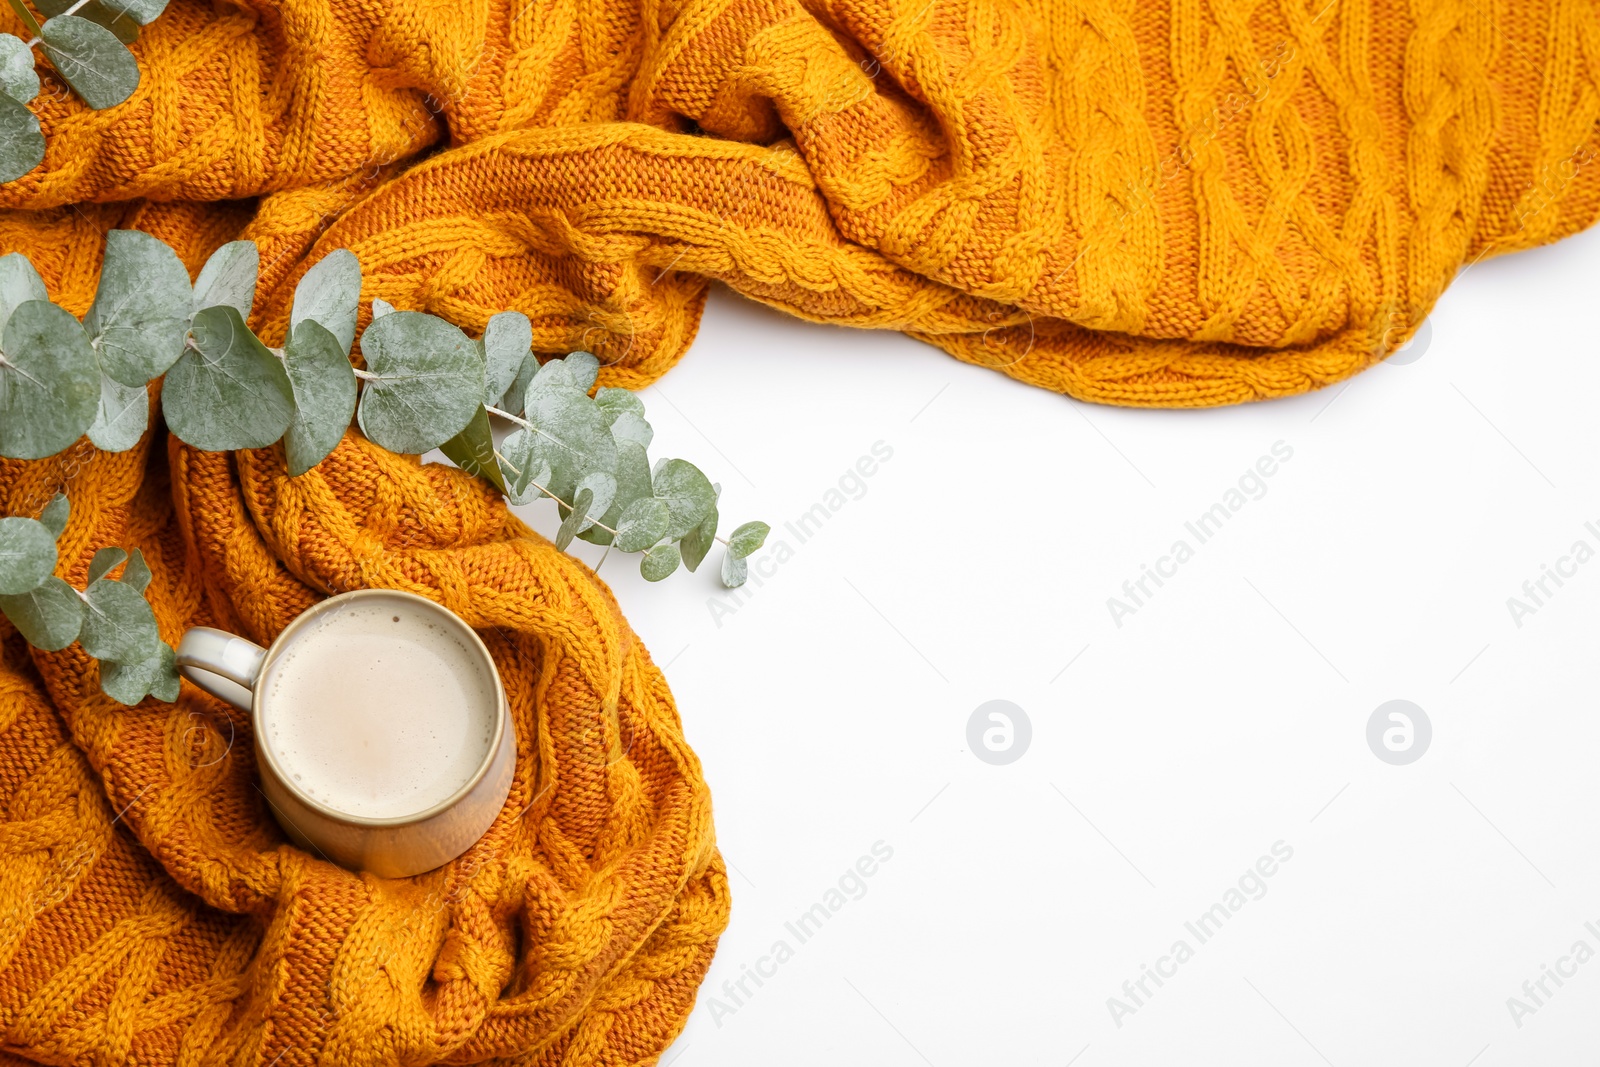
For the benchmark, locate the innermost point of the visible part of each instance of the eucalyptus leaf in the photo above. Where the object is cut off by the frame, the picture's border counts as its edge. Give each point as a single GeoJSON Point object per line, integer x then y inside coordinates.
{"type": "Point", "coordinates": [426, 382]}
{"type": "Point", "coordinates": [507, 344]}
{"type": "Point", "coordinates": [19, 283]}
{"type": "Point", "coordinates": [584, 367]}
{"type": "Point", "coordinates": [118, 623]}
{"type": "Point", "coordinates": [473, 450]}
{"type": "Point", "coordinates": [48, 616]}
{"type": "Point", "coordinates": [581, 437]}
{"type": "Point", "coordinates": [140, 314]}
{"type": "Point", "coordinates": [575, 518]}
{"type": "Point", "coordinates": [747, 539]}
{"type": "Point", "coordinates": [144, 12]}
{"type": "Point", "coordinates": [631, 427]}
{"type": "Point", "coordinates": [105, 561]}
{"type": "Point", "coordinates": [659, 562]}
{"type": "Point", "coordinates": [49, 382]}
{"type": "Point", "coordinates": [734, 571]}
{"type": "Point", "coordinates": [27, 554]}
{"type": "Point", "coordinates": [137, 573]}
{"type": "Point", "coordinates": [698, 541]}
{"type": "Point", "coordinates": [643, 524]}
{"type": "Point", "coordinates": [330, 295]}
{"type": "Point", "coordinates": [129, 683]}
{"type": "Point", "coordinates": [687, 493]}
{"type": "Point", "coordinates": [21, 140]}
{"type": "Point", "coordinates": [122, 417]}
{"type": "Point", "coordinates": [633, 482]}
{"type": "Point", "coordinates": [616, 402]}
{"type": "Point", "coordinates": [525, 464]}
{"type": "Point", "coordinates": [97, 65]}
{"type": "Point", "coordinates": [100, 12]}
{"type": "Point", "coordinates": [602, 489]}
{"type": "Point", "coordinates": [324, 386]}
{"type": "Point", "coordinates": [380, 308]}
{"type": "Point", "coordinates": [55, 514]}
{"type": "Point", "coordinates": [18, 79]}
{"type": "Point", "coordinates": [514, 401]}
{"type": "Point", "coordinates": [229, 279]}
{"type": "Point", "coordinates": [228, 390]}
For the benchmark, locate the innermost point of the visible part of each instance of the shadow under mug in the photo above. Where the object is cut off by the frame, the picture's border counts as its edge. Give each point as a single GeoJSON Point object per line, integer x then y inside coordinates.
{"type": "Point", "coordinates": [228, 667]}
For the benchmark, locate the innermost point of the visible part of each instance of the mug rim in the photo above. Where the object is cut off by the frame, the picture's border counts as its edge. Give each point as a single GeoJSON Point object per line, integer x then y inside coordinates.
{"type": "Point", "coordinates": [264, 744]}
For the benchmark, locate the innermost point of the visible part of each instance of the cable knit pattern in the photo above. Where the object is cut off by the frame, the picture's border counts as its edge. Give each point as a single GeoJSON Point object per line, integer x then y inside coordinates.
{"type": "Point", "coordinates": [152, 911]}
{"type": "Point", "coordinates": [1180, 203]}
{"type": "Point", "coordinates": [1174, 204]}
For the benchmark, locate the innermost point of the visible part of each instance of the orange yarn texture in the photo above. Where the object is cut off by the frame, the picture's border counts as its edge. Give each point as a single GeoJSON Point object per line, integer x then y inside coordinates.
{"type": "Point", "coordinates": [151, 912]}
{"type": "Point", "coordinates": [1161, 203]}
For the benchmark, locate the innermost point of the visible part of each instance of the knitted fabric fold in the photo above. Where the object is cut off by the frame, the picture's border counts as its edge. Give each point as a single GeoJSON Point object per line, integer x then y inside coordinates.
{"type": "Point", "coordinates": [151, 912]}
{"type": "Point", "coordinates": [1167, 204]}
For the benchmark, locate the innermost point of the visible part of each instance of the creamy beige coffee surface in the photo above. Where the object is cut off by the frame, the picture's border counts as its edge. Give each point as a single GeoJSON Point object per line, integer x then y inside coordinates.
{"type": "Point", "coordinates": [378, 709]}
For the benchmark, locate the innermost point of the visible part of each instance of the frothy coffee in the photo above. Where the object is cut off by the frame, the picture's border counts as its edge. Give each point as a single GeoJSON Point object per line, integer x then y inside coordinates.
{"type": "Point", "coordinates": [378, 710]}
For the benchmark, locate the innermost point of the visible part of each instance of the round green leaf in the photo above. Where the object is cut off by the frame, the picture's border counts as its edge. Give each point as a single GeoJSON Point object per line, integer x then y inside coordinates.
{"type": "Point", "coordinates": [229, 278]}
{"type": "Point", "coordinates": [97, 65]}
{"type": "Point", "coordinates": [141, 309]}
{"type": "Point", "coordinates": [506, 344]}
{"type": "Point", "coordinates": [129, 683]}
{"type": "Point", "coordinates": [49, 382]}
{"type": "Point", "coordinates": [734, 571]}
{"type": "Point", "coordinates": [515, 398]}
{"type": "Point", "coordinates": [27, 554]}
{"type": "Point", "coordinates": [425, 384]}
{"type": "Point", "coordinates": [643, 523]}
{"type": "Point", "coordinates": [118, 623]}
{"type": "Point", "coordinates": [584, 367]}
{"type": "Point", "coordinates": [659, 562]}
{"type": "Point", "coordinates": [633, 482]}
{"type": "Point", "coordinates": [473, 450]}
{"type": "Point", "coordinates": [330, 294]}
{"type": "Point", "coordinates": [525, 465]}
{"type": "Point", "coordinates": [18, 79]}
{"type": "Point", "coordinates": [137, 573]}
{"type": "Point", "coordinates": [19, 283]}
{"type": "Point", "coordinates": [578, 430]}
{"type": "Point", "coordinates": [631, 427]}
{"type": "Point", "coordinates": [748, 538]}
{"type": "Point", "coordinates": [105, 561]}
{"type": "Point", "coordinates": [55, 514]}
{"type": "Point", "coordinates": [380, 308]}
{"type": "Point", "coordinates": [324, 386]}
{"type": "Point", "coordinates": [21, 140]}
{"type": "Point", "coordinates": [100, 12]}
{"type": "Point", "coordinates": [698, 541]}
{"type": "Point", "coordinates": [687, 493]}
{"type": "Point", "coordinates": [228, 390]}
{"type": "Point", "coordinates": [144, 12]}
{"type": "Point", "coordinates": [48, 617]}
{"type": "Point", "coordinates": [575, 518]}
{"type": "Point", "coordinates": [615, 402]}
{"type": "Point", "coordinates": [602, 489]}
{"type": "Point", "coordinates": [122, 417]}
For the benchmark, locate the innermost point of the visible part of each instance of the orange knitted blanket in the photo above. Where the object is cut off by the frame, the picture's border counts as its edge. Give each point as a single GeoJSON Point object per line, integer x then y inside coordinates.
{"type": "Point", "coordinates": [1140, 203]}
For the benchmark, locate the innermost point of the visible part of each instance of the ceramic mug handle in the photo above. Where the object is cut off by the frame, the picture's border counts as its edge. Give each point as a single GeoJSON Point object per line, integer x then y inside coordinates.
{"type": "Point", "coordinates": [223, 664]}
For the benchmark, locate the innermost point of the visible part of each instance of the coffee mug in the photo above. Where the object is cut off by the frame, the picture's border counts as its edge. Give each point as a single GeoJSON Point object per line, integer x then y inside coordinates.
{"type": "Point", "coordinates": [383, 735]}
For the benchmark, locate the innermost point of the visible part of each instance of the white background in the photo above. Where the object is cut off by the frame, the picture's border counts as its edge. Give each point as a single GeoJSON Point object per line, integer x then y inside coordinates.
{"type": "Point", "coordinates": [830, 705]}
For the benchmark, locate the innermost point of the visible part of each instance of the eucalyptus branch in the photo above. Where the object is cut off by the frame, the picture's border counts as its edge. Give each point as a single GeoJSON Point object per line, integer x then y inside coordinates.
{"type": "Point", "coordinates": [425, 385]}
{"type": "Point", "coordinates": [87, 43]}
